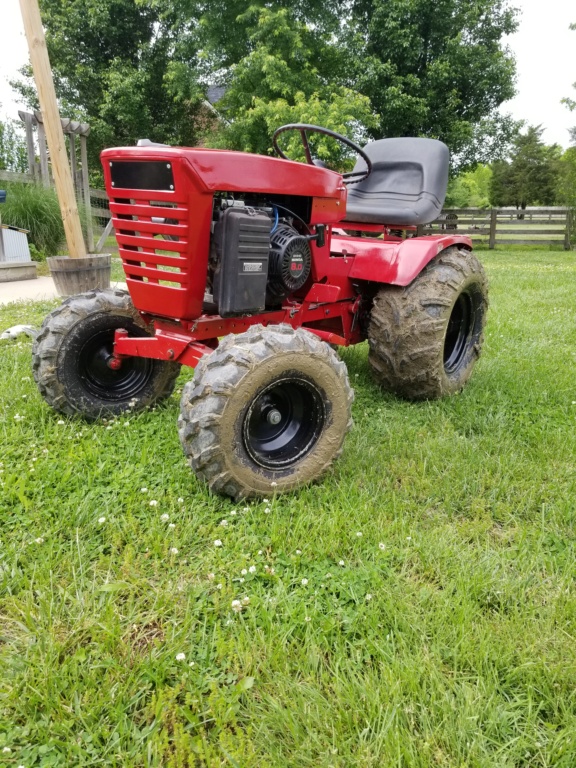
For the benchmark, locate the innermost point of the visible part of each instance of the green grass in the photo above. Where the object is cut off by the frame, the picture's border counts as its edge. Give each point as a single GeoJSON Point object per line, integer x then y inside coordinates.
{"type": "Point", "coordinates": [463, 656]}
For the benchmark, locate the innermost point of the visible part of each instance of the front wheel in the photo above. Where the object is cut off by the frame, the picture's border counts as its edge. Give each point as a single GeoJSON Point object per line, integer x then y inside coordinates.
{"type": "Point", "coordinates": [425, 338]}
{"type": "Point", "coordinates": [266, 412]}
{"type": "Point", "coordinates": [71, 359]}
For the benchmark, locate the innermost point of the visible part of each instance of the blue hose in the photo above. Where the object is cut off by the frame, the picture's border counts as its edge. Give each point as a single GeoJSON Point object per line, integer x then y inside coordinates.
{"type": "Point", "coordinates": [275, 227]}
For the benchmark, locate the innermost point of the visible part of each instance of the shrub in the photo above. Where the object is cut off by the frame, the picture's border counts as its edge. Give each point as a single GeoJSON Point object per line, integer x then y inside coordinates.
{"type": "Point", "coordinates": [35, 208]}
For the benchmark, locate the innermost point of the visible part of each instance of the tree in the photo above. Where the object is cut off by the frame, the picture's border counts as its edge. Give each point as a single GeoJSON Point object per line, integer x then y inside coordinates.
{"type": "Point", "coordinates": [571, 104]}
{"type": "Point", "coordinates": [433, 69]}
{"type": "Point", "coordinates": [531, 175]}
{"type": "Point", "coordinates": [13, 155]}
{"type": "Point", "coordinates": [368, 68]}
{"type": "Point", "coordinates": [470, 189]}
{"type": "Point", "coordinates": [114, 63]}
{"type": "Point", "coordinates": [279, 81]}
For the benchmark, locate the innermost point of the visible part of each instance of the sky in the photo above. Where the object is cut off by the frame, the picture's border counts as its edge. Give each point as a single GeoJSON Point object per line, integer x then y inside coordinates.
{"type": "Point", "coordinates": [544, 47]}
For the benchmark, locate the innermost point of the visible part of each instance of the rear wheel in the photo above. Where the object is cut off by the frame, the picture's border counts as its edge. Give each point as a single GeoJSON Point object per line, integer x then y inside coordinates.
{"type": "Point", "coordinates": [72, 353]}
{"type": "Point", "coordinates": [267, 411]}
{"type": "Point", "coordinates": [425, 338]}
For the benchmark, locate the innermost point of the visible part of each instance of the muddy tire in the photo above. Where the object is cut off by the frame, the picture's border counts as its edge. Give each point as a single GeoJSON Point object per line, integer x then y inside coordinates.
{"type": "Point", "coordinates": [425, 338]}
{"type": "Point", "coordinates": [266, 412]}
{"type": "Point", "coordinates": [69, 359]}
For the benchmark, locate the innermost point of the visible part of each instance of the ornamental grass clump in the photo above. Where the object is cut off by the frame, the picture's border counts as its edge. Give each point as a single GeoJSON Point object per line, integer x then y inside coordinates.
{"type": "Point", "coordinates": [35, 208]}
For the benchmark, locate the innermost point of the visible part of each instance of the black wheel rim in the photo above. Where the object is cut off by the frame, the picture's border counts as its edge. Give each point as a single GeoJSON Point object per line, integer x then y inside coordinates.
{"type": "Point", "coordinates": [460, 333]}
{"type": "Point", "coordinates": [104, 382]}
{"type": "Point", "coordinates": [284, 422]}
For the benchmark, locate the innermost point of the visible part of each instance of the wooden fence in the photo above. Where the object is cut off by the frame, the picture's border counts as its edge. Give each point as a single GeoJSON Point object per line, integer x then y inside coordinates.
{"type": "Point", "coordinates": [506, 226]}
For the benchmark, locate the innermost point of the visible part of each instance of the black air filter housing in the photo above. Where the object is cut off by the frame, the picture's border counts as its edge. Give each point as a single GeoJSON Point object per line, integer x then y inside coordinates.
{"type": "Point", "coordinates": [289, 265]}
{"type": "Point", "coordinates": [242, 240]}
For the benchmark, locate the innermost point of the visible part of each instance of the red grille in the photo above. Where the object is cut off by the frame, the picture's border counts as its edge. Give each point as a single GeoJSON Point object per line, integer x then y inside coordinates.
{"type": "Point", "coordinates": [152, 234]}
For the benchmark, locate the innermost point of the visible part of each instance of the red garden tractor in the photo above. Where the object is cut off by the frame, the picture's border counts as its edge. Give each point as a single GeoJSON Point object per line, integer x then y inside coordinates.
{"type": "Point", "coordinates": [251, 269]}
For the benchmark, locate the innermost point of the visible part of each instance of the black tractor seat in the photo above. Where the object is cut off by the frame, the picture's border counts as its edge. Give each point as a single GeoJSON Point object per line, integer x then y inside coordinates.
{"type": "Point", "coordinates": [407, 185]}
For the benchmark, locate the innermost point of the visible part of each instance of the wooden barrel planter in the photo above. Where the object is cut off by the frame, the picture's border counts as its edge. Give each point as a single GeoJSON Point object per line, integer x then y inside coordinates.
{"type": "Point", "coordinates": [73, 276]}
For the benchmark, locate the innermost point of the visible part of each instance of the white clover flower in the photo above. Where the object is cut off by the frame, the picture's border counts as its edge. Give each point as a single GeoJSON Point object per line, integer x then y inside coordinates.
{"type": "Point", "coordinates": [164, 517]}
{"type": "Point", "coordinates": [252, 569]}
{"type": "Point", "coordinates": [173, 551]}
{"type": "Point", "coordinates": [341, 562]}
{"type": "Point", "coordinates": [243, 571]}
{"type": "Point", "coordinates": [245, 601]}
{"type": "Point", "coordinates": [181, 501]}
{"type": "Point", "coordinates": [408, 538]}
{"type": "Point", "coordinates": [241, 581]}
{"type": "Point", "coordinates": [307, 618]}
{"type": "Point", "coordinates": [211, 577]}
{"type": "Point", "coordinates": [298, 551]}
{"type": "Point", "coordinates": [39, 540]}
{"type": "Point", "coordinates": [6, 750]}
{"type": "Point", "coordinates": [61, 421]}
{"type": "Point", "coordinates": [267, 511]}
{"type": "Point", "coordinates": [180, 656]}
{"type": "Point", "coordinates": [219, 586]}
{"type": "Point", "coordinates": [328, 575]}
{"type": "Point", "coordinates": [102, 519]}
{"type": "Point", "coordinates": [233, 512]}
{"type": "Point", "coordinates": [368, 596]}
{"type": "Point", "coordinates": [217, 543]}
{"type": "Point", "coordinates": [259, 551]}
{"type": "Point", "coordinates": [153, 503]}
{"type": "Point", "coordinates": [266, 501]}
{"type": "Point", "coordinates": [304, 582]}
{"type": "Point", "coordinates": [359, 533]}
{"type": "Point", "coordinates": [172, 525]}
{"type": "Point", "coordinates": [382, 545]}
{"type": "Point", "coordinates": [246, 509]}
{"type": "Point", "coordinates": [273, 484]}
{"type": "Point", "coordinates": [236, 606]}
{"type": "Point", "coordinates": [191, 664]}
{"type": "Point", "coordinates": [143, 490]}
{"type": "Point", "coordinates": [224, 523]}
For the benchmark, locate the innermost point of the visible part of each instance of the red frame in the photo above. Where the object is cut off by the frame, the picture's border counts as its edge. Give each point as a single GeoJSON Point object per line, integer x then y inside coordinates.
{"type": "Point", "coordinates": [167, 284]}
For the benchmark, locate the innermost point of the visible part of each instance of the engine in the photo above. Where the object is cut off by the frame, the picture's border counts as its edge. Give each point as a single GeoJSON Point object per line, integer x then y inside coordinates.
{"type": "Point", "coordinates": [257, 258]}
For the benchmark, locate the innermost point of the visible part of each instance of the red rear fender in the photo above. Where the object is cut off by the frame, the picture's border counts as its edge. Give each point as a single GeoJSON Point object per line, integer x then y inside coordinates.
{"type": "Point", "coordinates": [392, 262]}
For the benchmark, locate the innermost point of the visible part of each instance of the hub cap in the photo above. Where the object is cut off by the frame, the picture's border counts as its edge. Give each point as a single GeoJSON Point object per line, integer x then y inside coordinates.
{"type": "Point", "coordinates": [283, 422]}
{"type": "Point", "coordinates": [103, 381]}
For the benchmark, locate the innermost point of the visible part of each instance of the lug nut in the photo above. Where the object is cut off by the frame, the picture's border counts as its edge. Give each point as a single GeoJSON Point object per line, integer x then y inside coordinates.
{"type": "Point", "coordinates": [274, 417]}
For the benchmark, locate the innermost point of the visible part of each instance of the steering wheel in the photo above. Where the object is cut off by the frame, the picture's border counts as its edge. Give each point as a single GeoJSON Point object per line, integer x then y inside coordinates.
{"type": "Point", "coordinates": [352, 177]}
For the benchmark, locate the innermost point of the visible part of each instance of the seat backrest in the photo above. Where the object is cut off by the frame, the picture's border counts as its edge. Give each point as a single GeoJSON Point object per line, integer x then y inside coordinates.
{"type": "Point", "coordinates": [407, 184]}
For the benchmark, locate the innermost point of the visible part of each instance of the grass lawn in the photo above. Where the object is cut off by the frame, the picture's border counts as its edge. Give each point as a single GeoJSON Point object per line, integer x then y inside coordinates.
{"type": "Point", "coordinates": [417, 608]}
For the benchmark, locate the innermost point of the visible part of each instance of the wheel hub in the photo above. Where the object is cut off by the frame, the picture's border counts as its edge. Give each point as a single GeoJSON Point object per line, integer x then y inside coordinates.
{"type": "Point", "coordinates": [105, 375]}
{"type": "Point", "coordinates": [283, 422]}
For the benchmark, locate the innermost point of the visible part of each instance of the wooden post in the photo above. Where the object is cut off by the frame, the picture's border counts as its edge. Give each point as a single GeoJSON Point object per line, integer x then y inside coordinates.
{"type": "Point", "coordinates": [54, 135]}
{"type": "Point", "coordinates": [86, 190]}
{"type": "Point", "coordinates": [493, 220]}
{"type": "Point", "coordinates": [73, 169]}
{"type": "Point", "coordinates": [568, 230]}
{"type": "Point", "coordinates": [28, 123]}
{"type": "Point", "coordinates": [44, 172]}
